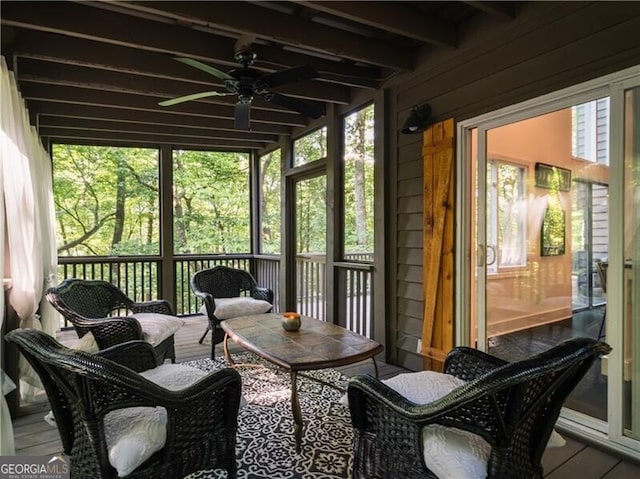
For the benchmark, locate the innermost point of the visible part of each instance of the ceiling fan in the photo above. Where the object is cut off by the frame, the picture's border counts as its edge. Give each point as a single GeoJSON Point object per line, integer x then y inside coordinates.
{"type": "Point", "coordinates": [248, 83]}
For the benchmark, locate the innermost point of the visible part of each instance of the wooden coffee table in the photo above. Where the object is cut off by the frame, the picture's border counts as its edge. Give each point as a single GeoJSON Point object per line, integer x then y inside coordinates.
{"type": "Point", "coordinates": [317, 345]}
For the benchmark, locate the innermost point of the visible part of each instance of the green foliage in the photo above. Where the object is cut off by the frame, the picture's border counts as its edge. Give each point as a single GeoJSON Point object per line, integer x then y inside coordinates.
{"type": "Point", "coordinates": [553, 229]}
{"type": "Point", "coordinates": [107, 201]}
{"type": "Point", "coordinates": [310, 147]}
{"type": "Point", "coordinates": [311, 195]}
{"type": "Point", "coordinates": [211, 202]}
{"type": "Point", "coordinates": [85, 180]}
{"type": "Point", "coordinates": [553, 225]}
{"type": "Point", "coordinates": [311, 215]}
{"type": "Point", "coordinates": [270, 210]}
{"type": "Point", "coordinates": [359, 185]}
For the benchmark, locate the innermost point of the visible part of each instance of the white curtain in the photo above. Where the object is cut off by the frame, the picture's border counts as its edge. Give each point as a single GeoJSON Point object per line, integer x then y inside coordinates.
{"type": "Point", "coordinates": [30, 250]}
{"type": "Point", "coordinates": [7, 447]}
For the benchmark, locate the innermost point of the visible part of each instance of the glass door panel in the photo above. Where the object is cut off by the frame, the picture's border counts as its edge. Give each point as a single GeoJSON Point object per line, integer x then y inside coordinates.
{"type": "Point", "coordinates": [589, 242]}
{"type": "Point", "coordinates": [631, 268]}
{"type": "Point", "coordinates": [310, 248]}
{"type": "Point", "coordinates": [552, 199]}
{"type": "Point", "coordinates": [527, 248]}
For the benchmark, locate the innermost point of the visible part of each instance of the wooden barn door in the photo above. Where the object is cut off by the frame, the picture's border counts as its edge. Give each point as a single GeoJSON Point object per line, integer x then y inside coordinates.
{"type": "Point", "coordinates": [438, 243]}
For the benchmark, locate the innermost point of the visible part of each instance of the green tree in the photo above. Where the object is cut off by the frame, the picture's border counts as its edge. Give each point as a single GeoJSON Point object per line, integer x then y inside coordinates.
{"type": "Point", "coordinates": [359, 181]}
{"type": "Point", "coordinates": [211, 202]}
{"type": "Point", "coordinates": [106, 200]}
{"type": "Point", "coordinates": [270, 197]}
{"type": "Point", "coordinates": [311, 216]}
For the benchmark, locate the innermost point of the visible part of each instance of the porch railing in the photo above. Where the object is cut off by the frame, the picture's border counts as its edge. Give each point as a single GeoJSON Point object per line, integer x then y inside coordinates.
{"type": "Point", "coordinates": [311, 288]}
{"type": "Point", "coordinates": [139, 277]}
{"type": "Point", "coordinates": [355, 291]}
{"type": "Point", "coordinates": [186, 266]}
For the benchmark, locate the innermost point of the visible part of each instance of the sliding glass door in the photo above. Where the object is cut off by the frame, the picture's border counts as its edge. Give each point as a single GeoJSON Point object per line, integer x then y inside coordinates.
{"type": "Point", "coordinates": [553, 191]}
{"type": "Point", "coordinates": [629, 272]}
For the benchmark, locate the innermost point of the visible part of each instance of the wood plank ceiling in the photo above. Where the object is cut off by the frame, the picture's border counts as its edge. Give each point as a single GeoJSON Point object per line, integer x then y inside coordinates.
{"type": "Point", "coordinates": [94, 72]}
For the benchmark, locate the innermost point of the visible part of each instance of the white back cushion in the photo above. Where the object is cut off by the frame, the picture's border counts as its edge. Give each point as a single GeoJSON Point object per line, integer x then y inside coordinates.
{"type": "Point", "coordinates": [155, 329]}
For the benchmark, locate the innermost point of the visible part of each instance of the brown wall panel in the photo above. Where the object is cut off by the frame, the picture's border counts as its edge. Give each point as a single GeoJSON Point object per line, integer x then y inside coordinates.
{"type": "Point", "coordinates": [411, 170]}
{"type": "Point", "coordinates": [411, 308]}
{"type": "Point", "coordinates": [409, 222]}
{"type": "Point", "coordinates": [547, 47]}
{"type": "Point", "coordinates": [410, 290]}
{"type": "Point", "coordinates": [410, 239]}
{"type": "Point", "coordinates": [411, 187]}
{"type": "Point", "coordinates": [409, 256]}
{"type": "Point", "coordinates": [409, 204]}
{"type": "Point", "coordinates": [410, 325]}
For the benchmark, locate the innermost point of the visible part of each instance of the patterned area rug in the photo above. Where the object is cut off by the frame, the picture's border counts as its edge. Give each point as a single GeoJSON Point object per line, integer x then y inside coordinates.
{"type": "Point", "coordinates": [265, 442]}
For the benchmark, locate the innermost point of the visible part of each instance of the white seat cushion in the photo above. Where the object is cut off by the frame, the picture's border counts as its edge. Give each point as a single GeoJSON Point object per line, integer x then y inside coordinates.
{"type": "Point", "coordinates": [227, 308]}
{"type": "Point", "coordinates": [155, 329]}
{"type": "Point", "coordinates": [134, 434]}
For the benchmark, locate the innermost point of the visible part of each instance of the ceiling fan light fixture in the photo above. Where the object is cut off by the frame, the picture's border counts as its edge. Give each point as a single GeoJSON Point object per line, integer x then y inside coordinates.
{"type": "Point", "coordinates": [248, 83]}
{"type": "Point", "coordinates": [245, 57]}
{"type": "Point", "coordinates": [418, 119]}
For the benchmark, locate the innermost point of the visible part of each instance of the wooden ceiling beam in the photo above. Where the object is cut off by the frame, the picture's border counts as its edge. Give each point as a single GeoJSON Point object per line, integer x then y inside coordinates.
{"type": "Point", "coordinates": [66, 50]}
{"type": "Point", "coordinates": [88, 23]}
{"type": "Point", "coordinates": [245, 18]}
{"type": "Point", "coordinates": [192, 112]}
{"type": "Point", "coordinates": [162, 88]}
{"type": "Point", "coordinates": [102, 124]}
{"type": "Point", "coordinates": [394, 18]}
{"type": "Point", "coordinates": [505, 10]}
{"type": "Point", "coordinates": [103, 82]}
{"type": "Point", "coordinates": [148, 139]}
{"type": "Point", "coordinates": [90, 53]}
{"type": "Point", "coordinates": [136, 144]}
{"type": "Point", "coordinates": [86, 111]}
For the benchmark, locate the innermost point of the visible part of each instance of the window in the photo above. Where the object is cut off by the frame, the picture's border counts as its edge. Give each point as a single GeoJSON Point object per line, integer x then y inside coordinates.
{"type": "Point", "coordinates": [106, 200]}
{"type": "Point", "coordinates": [506, 210]}
{"type": "Point", "coordinates": [310, 147]}
{"type": "Point", "coordinates": [590, 131]}
{"type": "Point", "coordinates": [211, 208]}
{"type": "Point", "coordinates": [269, 190]}
{"type": "Point", "coordinates": [359, 185]}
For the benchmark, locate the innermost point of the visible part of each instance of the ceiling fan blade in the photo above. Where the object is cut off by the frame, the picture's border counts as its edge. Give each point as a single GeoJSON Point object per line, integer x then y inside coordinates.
{"type": "Point", "coordinates": [193, 96]}
{"type": "Point", "coordinates": [242, 115]}
{"type": "Point", "coordinates": [290, 75]}
{"type": "Point", "coordinates": [307, 109]}
{"type": "Point", "coordinates": [205, 68]}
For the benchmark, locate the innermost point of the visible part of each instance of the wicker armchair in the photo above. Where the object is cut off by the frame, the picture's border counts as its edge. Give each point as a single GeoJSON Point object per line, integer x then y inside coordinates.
{"type": "Point", "coordinates": [512, 406]}
{"type": "Point", "coordinates": [83, 388]}
{"type": "Point", "coordinates": [95, 306]}
{"type": "Point", "coordinates": [224, 282]}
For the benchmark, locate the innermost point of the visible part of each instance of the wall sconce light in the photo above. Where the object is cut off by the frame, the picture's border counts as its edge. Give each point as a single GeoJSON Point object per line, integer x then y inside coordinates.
{"type": "Point", "coordinates": [418, 119]}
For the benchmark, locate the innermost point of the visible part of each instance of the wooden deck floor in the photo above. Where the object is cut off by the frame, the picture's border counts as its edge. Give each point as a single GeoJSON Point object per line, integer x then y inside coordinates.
{"type": "Point", "coordinates": [34, 437]}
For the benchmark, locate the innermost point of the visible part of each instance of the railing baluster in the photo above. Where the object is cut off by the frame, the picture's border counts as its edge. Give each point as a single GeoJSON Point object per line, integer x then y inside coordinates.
{"type": "Point", "coordinates": [140, 277]}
